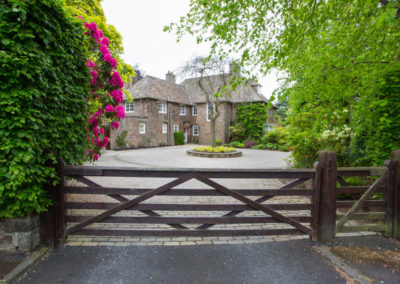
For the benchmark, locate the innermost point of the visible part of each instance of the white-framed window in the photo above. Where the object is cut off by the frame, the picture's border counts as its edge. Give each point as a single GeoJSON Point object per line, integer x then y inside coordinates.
{"type": "Point", "coordinates": [162, 107]}
{"type": "Point", "coordinates": [210, 111]}
{"type": "Point", "coordinates": [142, 128]}
{"type": "Point", "coordinates": [182, 110]}
{"type": "Point", "coordinates": [164, 128]}
{"type": "Point", "coordinates": [129, 106]}
{"type": "Point", "coordinates": [194, 110]}
{"type": "Point", "coordinates": [196, 130]}
{"type": "Point", "coordinates": [176, 127]}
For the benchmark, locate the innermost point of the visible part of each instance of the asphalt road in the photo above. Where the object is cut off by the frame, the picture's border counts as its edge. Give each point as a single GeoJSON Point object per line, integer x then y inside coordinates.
{"type": "Point", "coordinates": [276, 262]}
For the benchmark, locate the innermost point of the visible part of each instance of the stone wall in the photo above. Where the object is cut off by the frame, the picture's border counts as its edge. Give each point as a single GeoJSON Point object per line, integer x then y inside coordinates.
{"type": "Point", "coordinates": [19, 234]}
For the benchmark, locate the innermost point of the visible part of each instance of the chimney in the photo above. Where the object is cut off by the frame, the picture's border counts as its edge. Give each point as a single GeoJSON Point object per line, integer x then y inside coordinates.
{"type": "Point", "coordinates": [170, 77]}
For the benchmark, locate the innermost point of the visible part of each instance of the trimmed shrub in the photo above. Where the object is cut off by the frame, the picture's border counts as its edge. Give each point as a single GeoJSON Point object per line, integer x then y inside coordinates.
{"type": "Point", "coordinates": [218, 142]}
{"type": "Point", "coordinates": [179, 138]}
{"type": "Point", "coordinates": [121, 139]}
{"type": "Point", "coordinates": [234, 144]}
{"type": "Point", "coordinates": [43, 96]}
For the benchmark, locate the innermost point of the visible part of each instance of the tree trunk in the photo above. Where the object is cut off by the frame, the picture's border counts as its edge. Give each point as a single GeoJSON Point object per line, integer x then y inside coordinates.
{"type": "Point", "coordinates": [213, 122]}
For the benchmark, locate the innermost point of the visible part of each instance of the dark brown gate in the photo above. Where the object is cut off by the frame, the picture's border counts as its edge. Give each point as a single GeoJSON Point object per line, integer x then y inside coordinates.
{"type": "Point", "coordinates": [319, 214]}
{"type": "Point", "coordinates": [80, 224]}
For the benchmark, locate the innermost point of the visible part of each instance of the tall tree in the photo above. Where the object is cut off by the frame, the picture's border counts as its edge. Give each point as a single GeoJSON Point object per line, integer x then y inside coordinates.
{"type": "Point", "coordinates": [333, 54]}
{"type": "Point", "coordinates": [213, 83]}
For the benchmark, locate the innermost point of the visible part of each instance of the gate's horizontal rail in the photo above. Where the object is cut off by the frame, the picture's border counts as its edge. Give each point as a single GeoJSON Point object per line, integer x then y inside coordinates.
{"type": "Point", "coordinates": [188, 207]}
{"type": "Point", "coordinates": [188, 220]}
{"type": "Point", "coordinates": [177, 172]}
{"type": "Point", "coordinates": [188, 192]}
{"type": "Point", "coordinates": [357, 189]}
{"type": "Point", "coordinates": [187, 233]}
{"type": "Point", "coordinates": [360, 171]}
{"type": "Point", "coordinates": [370, 203]}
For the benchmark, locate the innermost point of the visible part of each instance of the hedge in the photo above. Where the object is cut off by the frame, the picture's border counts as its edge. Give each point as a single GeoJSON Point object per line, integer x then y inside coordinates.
{"type": "Point", "coordinates": [43, 99]}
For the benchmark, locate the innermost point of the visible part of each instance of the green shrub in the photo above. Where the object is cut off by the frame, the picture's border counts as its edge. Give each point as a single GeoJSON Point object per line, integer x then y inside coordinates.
{"type": "Point", "coordinates": [240, 145]}
{"type": "Point", "coordinates": [43, 92]}
{"type": "Point", "coordinates": [179, 138]}
{"type": "Point", "coordinates": [283, 148]}
{"type": "Point", "coordinates": [260, 147]}
{"type": "Point", "coordinates": [234, 144]}
{"type": "Point", "coordinates": [252, 117]}
{"type": "Point", "coordinates": [121, 139]}
{"type": "Point", "coordinates": [218, 142]}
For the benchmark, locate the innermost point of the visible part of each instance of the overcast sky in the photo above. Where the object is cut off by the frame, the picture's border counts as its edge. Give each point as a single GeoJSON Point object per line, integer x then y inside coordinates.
{"type": "Point", "coordinates": [141, 25]}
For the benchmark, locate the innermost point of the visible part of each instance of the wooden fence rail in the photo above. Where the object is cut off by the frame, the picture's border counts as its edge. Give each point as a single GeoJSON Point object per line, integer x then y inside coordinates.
{"type": "Point", "coordinates": [325, 215]}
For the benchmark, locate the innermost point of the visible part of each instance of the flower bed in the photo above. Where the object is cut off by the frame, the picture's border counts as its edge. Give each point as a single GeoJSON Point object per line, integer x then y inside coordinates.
{"type": "Point", "coordinates": [219, 149]}
{"type": "Point", "coordinates": [214, 152]}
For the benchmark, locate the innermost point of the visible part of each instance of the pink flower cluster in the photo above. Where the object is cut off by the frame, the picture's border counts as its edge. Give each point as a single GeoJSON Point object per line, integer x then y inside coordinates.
{"type": "Point", "coordinates": [105, 80]}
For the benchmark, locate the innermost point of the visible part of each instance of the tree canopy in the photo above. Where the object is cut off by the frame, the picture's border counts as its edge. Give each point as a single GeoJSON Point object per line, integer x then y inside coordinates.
{"type": "Point", "coordinates": [92, 11]}
{"type": "Point", "coordinates": [335, 57]}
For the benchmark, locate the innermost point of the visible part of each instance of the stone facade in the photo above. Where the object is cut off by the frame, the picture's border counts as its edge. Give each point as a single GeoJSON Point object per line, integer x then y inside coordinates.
{"type": "Point", "coordinates": [150, 91]}
{"type": "Point", "coordinates": [19, 234]}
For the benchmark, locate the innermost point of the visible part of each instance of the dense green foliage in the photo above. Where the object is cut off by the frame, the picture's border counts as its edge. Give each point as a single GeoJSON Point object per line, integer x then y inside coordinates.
{"type": "Point", "coordinates": [339, 59]}
{"type": "Point", "coordinates": [252, 118]}
{"type": "Point", "coordinates": [179, 137]}
{"type": "Point", "coordinates": [92, 11]}
{"type": "Point", "coordinates": [43, 92]}
{"type": "Point", "coordinates": [121, 139]}
{"type": "Point", "coordinates": [275, 139]}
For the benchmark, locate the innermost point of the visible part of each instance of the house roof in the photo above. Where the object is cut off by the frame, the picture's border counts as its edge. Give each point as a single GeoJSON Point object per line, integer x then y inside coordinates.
{"type": "Point", "coordinates": [155, 88]}
{"type": "Point", "coordinates": [242, 93]}
{"type": "Point", "coordinates": [189, 91]}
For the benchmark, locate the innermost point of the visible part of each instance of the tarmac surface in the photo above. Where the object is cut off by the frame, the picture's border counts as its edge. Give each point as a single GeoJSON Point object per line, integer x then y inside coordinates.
{"type": "Point", "coordinates": [283, 262]}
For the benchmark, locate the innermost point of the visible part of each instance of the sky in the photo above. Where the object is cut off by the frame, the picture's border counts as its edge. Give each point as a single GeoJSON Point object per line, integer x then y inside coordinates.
{"type": "Point", "coordinates": [156, 52]}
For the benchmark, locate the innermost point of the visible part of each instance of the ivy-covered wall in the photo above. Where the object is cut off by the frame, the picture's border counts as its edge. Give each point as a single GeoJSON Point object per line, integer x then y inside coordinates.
{"type": "Point", "coordinates": [43, 92]}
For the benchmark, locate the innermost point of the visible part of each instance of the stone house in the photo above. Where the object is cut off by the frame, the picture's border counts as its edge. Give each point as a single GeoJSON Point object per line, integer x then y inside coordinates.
{"type": "Point", "coordinates": [161, 107]}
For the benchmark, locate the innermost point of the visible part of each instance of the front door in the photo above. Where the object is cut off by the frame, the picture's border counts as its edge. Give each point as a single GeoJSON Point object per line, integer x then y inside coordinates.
{"type": "Point", "coordinates": [186, 135]}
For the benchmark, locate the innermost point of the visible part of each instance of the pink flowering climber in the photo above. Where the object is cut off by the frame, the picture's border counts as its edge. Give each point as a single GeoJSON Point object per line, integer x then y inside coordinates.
{"type": "Point", "coordinates": [105, 41]}
{"type": "Point", "coordinates": [95, 156]}
{"type": "Point", "coordinates": [103, 49]}
{"type": "Point", "coordinates": [114, 125]}
{"type": "Point", "coordinates": [117, 96]}
{"type": "Point", "coordinates": [109, 108]}
{"type": "Point", "coordinates": [116, 80]}
{"type": "Point", "coordinates": [120, 111]}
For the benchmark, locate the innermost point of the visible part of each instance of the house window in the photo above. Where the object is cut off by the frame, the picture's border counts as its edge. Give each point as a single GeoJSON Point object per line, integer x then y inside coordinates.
{"type": "Point", "coordinates": [162, 107]}
{"type": "Point", "coordinates": [142, 128]}
{"type": "Point", "coordinates": [196, 130]}
{"type": "Point", "coordinates": [194, 110]}
{"type": "Point", "coordinates": [182, 110]}
{"type": "Point", "coordinates": [176, 127]}
{"type": "Point", "coordinates": [129, 107]}
{"type": "Point", "coordinates": [210, 111]}
{"type": "Point", "coordinates": [164, 128]}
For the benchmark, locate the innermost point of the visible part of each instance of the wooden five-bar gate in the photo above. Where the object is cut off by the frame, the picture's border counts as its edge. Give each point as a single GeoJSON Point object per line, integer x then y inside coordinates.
{"type": "Point", "coordinates": [322, 214]}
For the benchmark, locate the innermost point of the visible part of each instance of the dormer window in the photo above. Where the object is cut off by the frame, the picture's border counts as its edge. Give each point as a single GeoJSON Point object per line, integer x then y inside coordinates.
{"type": "Point", "coordinates": [182, 110]}
{"type": "Point", "coordinates": [162, 107]}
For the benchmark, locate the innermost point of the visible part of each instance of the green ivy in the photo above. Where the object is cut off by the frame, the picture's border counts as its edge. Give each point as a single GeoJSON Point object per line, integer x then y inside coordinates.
{"type": "Point", "coordinates": [43, 91]}
{"type": "Point", "coordinates": [252, 118]}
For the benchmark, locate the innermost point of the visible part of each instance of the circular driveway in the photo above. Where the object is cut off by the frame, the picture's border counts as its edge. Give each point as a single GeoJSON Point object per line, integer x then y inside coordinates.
{"type": "Point", "coordinates": [176, 157]}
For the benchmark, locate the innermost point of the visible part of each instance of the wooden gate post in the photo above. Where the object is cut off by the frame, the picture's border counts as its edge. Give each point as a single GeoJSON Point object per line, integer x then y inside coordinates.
{"type": "Point", "coordinates": [326, 176]}
{"type": "Point", "coordinates": [52, 225]}
{"type": "Point", "coordinates": [393, 195]}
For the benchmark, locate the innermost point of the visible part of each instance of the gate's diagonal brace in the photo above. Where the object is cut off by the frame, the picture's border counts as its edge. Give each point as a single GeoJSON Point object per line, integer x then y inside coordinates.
{"type": "Point", "coordinates": [253, 204]}
{"type": "Point", "coordinates": [258, 200]}
{"type": "Point", "coordinates": [129, 204]}
{"type": "Point", "coordinates": [370, 191]}
{"type": "Point", "coordinates": [120, 198]}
